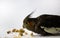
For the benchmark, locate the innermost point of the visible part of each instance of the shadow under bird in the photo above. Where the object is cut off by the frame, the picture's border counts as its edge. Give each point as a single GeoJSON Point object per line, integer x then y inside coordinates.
{"type": "Point", "coordinates": [44, 24]}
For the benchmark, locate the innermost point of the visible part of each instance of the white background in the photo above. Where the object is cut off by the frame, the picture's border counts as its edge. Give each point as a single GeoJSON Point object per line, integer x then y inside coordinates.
{"type": "Point", "coordinates": [12, 12]}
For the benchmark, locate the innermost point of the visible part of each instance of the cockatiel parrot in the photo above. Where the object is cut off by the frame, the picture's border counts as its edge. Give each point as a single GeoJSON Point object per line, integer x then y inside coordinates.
{"type": "Point", "coordinates": [44, 24]}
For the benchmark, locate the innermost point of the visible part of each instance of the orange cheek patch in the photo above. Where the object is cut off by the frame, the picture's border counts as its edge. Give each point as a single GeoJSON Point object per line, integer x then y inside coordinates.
{"type": "Point", "coordinates": [30, 23]}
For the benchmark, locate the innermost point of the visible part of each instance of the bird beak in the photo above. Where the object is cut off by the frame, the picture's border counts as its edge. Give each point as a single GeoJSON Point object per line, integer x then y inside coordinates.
{"type": "Point", "coordinates": [23, 26]}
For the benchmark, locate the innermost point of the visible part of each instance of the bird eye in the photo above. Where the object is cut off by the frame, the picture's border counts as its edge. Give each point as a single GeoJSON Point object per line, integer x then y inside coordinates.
{"type": "Point", "coordinates": [26, 22]}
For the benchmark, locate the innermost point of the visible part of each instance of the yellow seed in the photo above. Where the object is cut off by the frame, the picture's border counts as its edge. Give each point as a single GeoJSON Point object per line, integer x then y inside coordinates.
{"type": "Point", "coordinates": [8, 32]}
{"type": "Point", "coordinates": [26, 33]}
{"type": "Point", "coordinates": [31, 34]}
{"type": "Point", "coordinates": [14, 30]}
{"type": "Point", "coordinates": [17, 30]}
{"type": "Point", "coordinates": [21, 31]}
{"type": "Point", "coordinates": [21, 34]}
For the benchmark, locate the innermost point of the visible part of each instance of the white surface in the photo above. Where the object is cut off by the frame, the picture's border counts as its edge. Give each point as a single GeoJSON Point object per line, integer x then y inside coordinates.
{"type": "Point", "coordinates": [12, 12]}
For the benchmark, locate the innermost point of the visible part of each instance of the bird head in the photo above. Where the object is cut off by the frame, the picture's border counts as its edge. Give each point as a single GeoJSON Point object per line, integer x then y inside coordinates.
{"type": "Point", "coordinates": [28, 22]}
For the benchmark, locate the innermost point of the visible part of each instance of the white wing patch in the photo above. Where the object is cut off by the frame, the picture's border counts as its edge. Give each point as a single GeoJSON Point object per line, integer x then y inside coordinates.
{"type": "Point", "coordinates": [52, 30]}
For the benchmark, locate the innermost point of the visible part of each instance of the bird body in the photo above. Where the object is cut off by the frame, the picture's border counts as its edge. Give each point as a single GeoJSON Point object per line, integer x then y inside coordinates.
{"type": "Point", "coordinates": [44, 24]}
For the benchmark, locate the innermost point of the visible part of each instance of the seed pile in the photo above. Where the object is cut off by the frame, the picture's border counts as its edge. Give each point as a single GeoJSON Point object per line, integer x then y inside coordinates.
{"type": "Point", "coordinates": [20, 32]}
